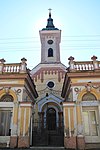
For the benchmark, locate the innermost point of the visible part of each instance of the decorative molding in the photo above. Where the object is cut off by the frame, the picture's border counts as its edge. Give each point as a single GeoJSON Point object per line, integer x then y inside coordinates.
{"type": "Point", "coordinates": [18, 91]}
{"type": "Point", "coordinates": [89, 103]}
{"type": "Point", "coordinates": [6, 89]}
{"type": "Point", "coordinates": [90, 85]}
{"type": "Point", "coordinates": [25, 104]}
{"type": "Point", "coordinates": [68, 104]}
{"type": "Point", "coordinates": [8, 104]}
{"type": "Point", "coordinates": [77, 90]}
{"type": "Point", "coordinates": [50, 70]}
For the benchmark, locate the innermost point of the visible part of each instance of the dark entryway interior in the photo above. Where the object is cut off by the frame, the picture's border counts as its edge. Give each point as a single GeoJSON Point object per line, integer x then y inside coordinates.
{"type": "Point", "coordinates": [51, 119]}
{"type": "Point", "coordinates": [49, 132]}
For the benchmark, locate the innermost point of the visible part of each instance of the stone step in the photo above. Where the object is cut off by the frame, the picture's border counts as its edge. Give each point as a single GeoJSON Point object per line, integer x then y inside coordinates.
{"type": "Point", "coordinates": [95, 146]}
{"type": "Point", "coordinates": [35, 148]}
{"type": "Point", "coordinates": [47, 148]}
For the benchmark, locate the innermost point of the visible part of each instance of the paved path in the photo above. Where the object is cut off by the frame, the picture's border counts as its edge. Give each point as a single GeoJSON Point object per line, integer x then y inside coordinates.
{"type": "Point", "coordinates": [35, 148]}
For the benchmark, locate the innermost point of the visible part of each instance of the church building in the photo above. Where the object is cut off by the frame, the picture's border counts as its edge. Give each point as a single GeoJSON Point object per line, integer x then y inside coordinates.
{"type": "Point", "coordinates": [50, 105]}
{"type": "Point", "coordinates": [48, 77]}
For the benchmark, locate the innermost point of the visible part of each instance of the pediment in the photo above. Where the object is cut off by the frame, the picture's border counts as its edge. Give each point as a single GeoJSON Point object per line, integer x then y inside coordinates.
{"type": "Point", "coordinates": [50, 99]}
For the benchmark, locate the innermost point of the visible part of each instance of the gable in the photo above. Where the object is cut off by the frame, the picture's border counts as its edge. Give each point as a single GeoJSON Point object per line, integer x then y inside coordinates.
{"type": "Point", "coordinates": [50, 99]}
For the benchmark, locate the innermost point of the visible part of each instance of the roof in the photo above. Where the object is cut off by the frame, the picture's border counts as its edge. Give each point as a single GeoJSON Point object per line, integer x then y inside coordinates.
{"type": "Point", "coordinates": [50, 25]}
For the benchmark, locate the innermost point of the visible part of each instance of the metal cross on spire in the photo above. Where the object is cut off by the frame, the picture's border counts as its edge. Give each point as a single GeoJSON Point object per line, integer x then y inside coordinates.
{"type": "Point", "coordinates": [49, 12]}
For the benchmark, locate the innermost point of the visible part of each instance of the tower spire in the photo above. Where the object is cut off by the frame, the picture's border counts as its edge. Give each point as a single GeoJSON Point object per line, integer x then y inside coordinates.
{"type": "Point", "coordinates": [50, 25]}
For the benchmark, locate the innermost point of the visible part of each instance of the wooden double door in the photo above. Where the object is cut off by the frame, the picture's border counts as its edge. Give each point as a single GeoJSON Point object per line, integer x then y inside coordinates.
{"type": "Point", "coordinates": [91, 124]}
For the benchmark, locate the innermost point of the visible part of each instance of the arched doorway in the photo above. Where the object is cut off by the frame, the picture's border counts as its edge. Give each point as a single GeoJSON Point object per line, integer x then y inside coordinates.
{"type": "Point", "coordinates": [49, 130]}
{"type": "Point", "coordinates": [51, 119]}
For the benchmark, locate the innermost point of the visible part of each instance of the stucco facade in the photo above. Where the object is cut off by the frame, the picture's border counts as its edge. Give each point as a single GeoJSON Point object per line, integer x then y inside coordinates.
{"type": "Point", "coordinates": [17, 98]}
{"type": "Point", "coordinates": [81, 93]}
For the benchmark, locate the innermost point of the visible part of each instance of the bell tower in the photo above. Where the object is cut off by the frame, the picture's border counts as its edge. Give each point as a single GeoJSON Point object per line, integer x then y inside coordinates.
{"type": "Point", "coordinates": [50, 42]}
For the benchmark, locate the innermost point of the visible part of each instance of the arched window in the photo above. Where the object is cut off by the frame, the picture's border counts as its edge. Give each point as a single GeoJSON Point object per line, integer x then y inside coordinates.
{"type": "Point", "coordinates": [50, 52]}
{"type": "Point", "coordinates": [5, 116]}
{"type": "Point", "coordinates": [88, 97]}
{"type": "Point", "coordinates": [6, 98]}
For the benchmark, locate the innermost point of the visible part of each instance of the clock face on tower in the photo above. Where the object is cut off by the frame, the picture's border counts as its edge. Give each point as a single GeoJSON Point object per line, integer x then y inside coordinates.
{"type": "Point", "coordinates": [50, 41]}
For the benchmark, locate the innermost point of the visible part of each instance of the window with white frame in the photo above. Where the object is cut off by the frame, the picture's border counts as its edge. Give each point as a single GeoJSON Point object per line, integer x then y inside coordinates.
{"type": "Point", "coordinates": [5, 115]}
{"type": "Point", "coordinates": [5, 121]}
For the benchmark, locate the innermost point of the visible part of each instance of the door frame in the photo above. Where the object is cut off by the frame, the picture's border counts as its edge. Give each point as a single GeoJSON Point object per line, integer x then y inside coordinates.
{"type": "Point", "coordinates": [91, 138]}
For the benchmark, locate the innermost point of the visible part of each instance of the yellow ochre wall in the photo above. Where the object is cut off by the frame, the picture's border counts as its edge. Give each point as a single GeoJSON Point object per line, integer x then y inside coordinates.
{"type": "Point", "coordinates": [69, 117]}
{"type": "Point", "coordinates": [24, 124]}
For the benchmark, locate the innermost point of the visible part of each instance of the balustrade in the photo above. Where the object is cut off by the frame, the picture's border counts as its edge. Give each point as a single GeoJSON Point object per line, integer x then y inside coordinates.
{"type": "Point", "coordinates": [88, 65]}
{"type": "Point", "coordinates": [84, 65]}
{"type": "Point", "coordinates": [13, 68]}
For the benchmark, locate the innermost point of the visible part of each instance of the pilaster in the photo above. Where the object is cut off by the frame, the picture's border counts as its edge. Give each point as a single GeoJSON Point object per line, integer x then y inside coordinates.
{"type": "Point", "coordinates": [14, 129]}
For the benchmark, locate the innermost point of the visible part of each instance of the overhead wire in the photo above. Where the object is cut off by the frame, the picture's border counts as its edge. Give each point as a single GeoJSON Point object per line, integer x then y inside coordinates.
{"type": "Point", "coordinates": [37, 37]}
{"type": "Point", "coordinates": [13, 38]}
{"type": "Point", "coordinates": [18, 45]}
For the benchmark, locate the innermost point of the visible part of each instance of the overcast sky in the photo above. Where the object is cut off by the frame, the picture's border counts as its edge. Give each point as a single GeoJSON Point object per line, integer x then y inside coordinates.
{"type": "Point", "coordinates": [21, 20]}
